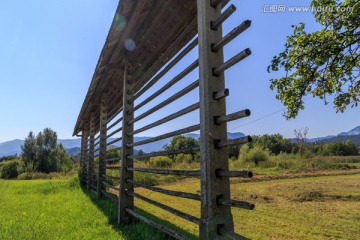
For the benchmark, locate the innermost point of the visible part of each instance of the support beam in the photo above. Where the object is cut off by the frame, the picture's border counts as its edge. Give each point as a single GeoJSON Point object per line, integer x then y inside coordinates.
{"type": "Point", "coordinates": [102, 147]}
{"type": "Point", "coordinates": [213, 215]}
{"type": "Point", "coordinates": [90, 172]}
{"type": "Point", "coordinates": [84, 150]}
{"type": "Point", "coordinates": [126, 201]}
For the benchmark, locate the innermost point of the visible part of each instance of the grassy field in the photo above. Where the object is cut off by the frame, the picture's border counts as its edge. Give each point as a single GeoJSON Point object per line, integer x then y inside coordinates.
{"type": "Point", "coordinates": [325, 207]}
{"type": "Point", "coordinates": [59, 209]}
{"type": "Point", "coordinates": [304, 208]}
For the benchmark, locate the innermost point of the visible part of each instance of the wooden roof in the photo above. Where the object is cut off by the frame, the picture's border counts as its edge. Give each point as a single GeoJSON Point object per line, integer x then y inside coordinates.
{"type": "Point", "coordinates": [144, 33]}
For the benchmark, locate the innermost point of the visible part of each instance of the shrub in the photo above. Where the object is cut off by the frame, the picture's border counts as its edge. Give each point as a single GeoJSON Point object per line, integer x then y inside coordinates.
{"type": "Point", "coordinates": [180, 158]}
{"type": "Point", "coordinates": [255, 155]}
{"type": "Point", "coordinates": [9, 170]}
{"type": "Point", "coordinates": [160, 162]}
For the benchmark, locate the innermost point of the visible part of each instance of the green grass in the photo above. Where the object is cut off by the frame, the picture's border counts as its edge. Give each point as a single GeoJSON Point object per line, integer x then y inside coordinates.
{"type": "Point", "coordinates": [324, 207]}
{"type": "Point", "coordinates": [305, 208]}
{"type": "Point", "coordinates": [59, 209]}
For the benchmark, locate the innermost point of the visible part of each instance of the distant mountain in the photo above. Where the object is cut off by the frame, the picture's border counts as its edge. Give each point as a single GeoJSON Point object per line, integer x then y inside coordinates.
{"type": "Point", "coordinates": [73, 145]}
{"type": "Point", "coordinates": [73, 151]}
{"type": "Point", "coordinates": [319, 139]}
{"type": "Point", "coordinates": [354, 138]}
{"type": "Point", "coordinates": [355, 131]}
{"type": "Point", "coordinates": [11, 147]}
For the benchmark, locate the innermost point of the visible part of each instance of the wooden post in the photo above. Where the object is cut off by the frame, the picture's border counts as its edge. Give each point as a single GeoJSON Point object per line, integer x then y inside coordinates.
{"type": "Point", "coordinates": [126, 201]}
{"type": "Point", "coordinates": [83, 151]}
{"type": "Point", "coordinates": [90, 172]}
{"type": "Point", "coordinates": [215, 218]}
{"type": "Point", "coordinates": [102, 146]}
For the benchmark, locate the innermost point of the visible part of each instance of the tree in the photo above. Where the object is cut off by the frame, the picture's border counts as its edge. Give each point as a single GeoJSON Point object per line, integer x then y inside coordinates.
{"type": "Point", "coordinates": [301, 136]}
{"type": "Point", "coordinates": [43, 154]}
{"type": "Point", "coordinates": [275, 143]}
{"type": "Point", "coordinates": [29, 149]}
{"type": "Point", "coordinates": [324, 62]}
{"type": "Point", "coordinates": [181, 142]}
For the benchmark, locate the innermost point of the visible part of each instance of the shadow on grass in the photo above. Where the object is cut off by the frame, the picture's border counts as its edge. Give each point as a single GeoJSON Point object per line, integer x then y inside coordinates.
{"type": "Point", "coordinates": [138, 230]}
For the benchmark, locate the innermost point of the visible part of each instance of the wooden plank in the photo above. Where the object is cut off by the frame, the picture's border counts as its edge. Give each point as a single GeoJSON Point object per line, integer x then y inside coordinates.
{"type": "Point", "coordinates": [126, 201]}
{"type": "Point", "coordinates": [167, 192]}
{"type": "Point", "coordinates": [166, 135]}
{"type": "Point", "coordinates": [169, 100]}
{"type": "Point", "coordinates": [167, 119]}
{"type": "Point", "coordinates": [211, 159]}
{"type": "Point", "coordinates": [166, 171]}
{"type": "Point", "coordinates": [165, 207]}
{"type": "Point", "coordinates": [158, 226]}
{"type": "Point", "coordinates": [91, 152]}
{"type": "Point", "coordinates": [165, 153]}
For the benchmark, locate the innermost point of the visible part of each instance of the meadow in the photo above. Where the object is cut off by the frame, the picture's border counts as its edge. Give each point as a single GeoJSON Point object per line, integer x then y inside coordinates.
{"type": "Point", "coordinates": [60, 209]}
{"type": "Point", "coordinates": [322, 207]}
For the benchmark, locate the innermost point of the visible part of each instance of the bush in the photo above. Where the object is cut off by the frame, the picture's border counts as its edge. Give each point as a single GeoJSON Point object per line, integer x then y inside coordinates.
{"type": "Point", "coordinates": [160, 162]}
{"type": "Point", "coordinates": [180, 158]}
{"type": "Point", "coordinates": [255, 155]}
{"type": "Point", "coordinates": [9, 170]}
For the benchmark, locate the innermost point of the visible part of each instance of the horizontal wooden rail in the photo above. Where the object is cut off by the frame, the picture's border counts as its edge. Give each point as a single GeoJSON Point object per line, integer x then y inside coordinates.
{"type": "Point", "coordinates": [113, 149]}
{"type": "Point", "coordinates": [110, 186]}
{"type": "Point", "coordinates": [114, 141]}
{"type": "Point", "coordinates": [112, 159]}
{"type": "Point", "coordinates": [225, 15]}
{"type": "Point", "coordinates": [97, 149]}
{"type": "Point", "coordinates": [164, 153]}
{"type": "Point", "coordinates": [221, 94]}
{"type": "Point", "coordinates": [238, 204]}
{"type": "Point", "coordinates": [114, 132]}
{"type": "Point", "coordinates": [232, 116]}
{"type": "Point", "coordinates": [166, 208]}
{"type": "Point", "coordinates": [167, 171]}
{"type": "Point", "coordinates": [171, 99]}
{"type": "Point", "coordinates": [93, 192]}
{"type": "Point", "coordinates": [185, 51]}
{"type": "Point", "coordinates": [114, 123]}
{"type": "Point", "coordinates": [166, 135]}
{"type": "Point", "coordinates": [176, 79]}
{"type": "Point", "coordinates": [231, 35]}
{"type": "Point", "coordinates": [231, 142]}
{"type": "Point", "coordinates": [156, 225]}
{"type": "Point", "coordinates": [231, 62]}
{"type": "Point", "coordinates": [165, 191]}
{"type": "Point", "coordinates": [243, 174]}
{"type": "Point", "coordinates": [110, 177]}
{"type": "Point", "coordinates": [167, 119]}
{"type": "Point", "coordinates": [230, 235]}
{"type": "Point", "coordinates": [113, 167]}
{"type": "Point", "coordinates": [109, 196]}
{"type": "Point", "coordinates": [114, 115]}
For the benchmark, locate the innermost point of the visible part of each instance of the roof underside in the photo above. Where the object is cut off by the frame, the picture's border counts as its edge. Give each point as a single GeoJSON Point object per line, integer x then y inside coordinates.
{"type": "Point", "coordinates": [159, 30]}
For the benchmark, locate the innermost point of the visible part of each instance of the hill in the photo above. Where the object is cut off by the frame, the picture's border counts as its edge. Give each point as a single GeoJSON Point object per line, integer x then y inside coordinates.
{"type": "Point", "coordinates": [343, 138]}
{"type": "Point", "coordinates": [73, 145]}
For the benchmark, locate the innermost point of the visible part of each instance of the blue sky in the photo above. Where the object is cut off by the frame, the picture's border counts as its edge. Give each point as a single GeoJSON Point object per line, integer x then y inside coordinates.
{"type": "Point", "coordinates": [49, 50]}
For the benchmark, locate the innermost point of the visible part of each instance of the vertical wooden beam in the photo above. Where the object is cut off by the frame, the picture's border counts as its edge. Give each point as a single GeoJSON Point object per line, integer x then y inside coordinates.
{"type": "Point", "coordinates": [125, 200]}
{"type": "Point", "coordinates": [84, 151]}
{"type": "Point", "coordinates": [216, 219]}
{"type": "Point", "coordinates": [90, 173]}
{"type": "Point", "coordinates": [102, 146]}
